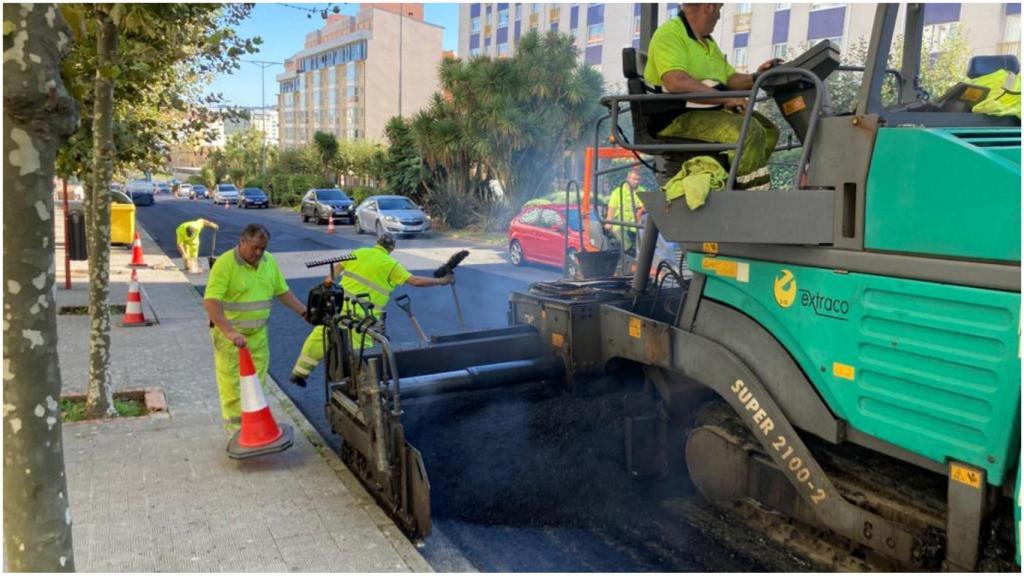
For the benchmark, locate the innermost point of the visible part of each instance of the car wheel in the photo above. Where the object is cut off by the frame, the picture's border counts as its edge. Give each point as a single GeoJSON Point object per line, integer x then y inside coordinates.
{"type": "Point", "coordinates": [359, 228]}
{"type": "Point", "coordinates": [572, 266]}
{"type": "Point", "coordinates": [304, 217]}
{"type": "Point", "coordinates": [379, 229]}
{"type": "Point", "coordinates": [515, 253]}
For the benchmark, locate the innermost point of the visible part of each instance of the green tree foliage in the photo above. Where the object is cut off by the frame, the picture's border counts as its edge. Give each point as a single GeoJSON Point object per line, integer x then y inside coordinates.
{"type": "Point", "coordinates": [402, 161]}
{"type": "Point", "coordinates": [510, 119]}
{"type": "Point", "coordinates": [242, 155]}
{"type": "Point", "coordinates": [326, 146]}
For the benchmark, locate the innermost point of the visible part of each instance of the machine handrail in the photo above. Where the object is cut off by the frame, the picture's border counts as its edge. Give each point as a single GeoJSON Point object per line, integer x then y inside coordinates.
{"type": "Point", "coordinates": [612, 102]}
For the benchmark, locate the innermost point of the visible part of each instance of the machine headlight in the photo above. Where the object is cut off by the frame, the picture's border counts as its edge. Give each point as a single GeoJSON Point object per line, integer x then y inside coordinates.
{"type": "Point", "coordinates": [391, 219]}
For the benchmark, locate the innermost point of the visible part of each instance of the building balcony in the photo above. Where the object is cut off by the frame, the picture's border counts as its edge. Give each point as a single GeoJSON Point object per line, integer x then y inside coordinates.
{"type": "Point", "coordinates": [1009, 48]}
{"type": "Point", "coordinates": [741, 22]}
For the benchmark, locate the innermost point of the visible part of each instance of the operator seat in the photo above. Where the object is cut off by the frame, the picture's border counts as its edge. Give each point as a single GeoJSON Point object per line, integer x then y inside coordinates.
{"type": "Point", "coordinates": [649, 118]}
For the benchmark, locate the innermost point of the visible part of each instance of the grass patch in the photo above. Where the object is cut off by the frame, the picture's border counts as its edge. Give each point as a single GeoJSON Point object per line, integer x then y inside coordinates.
{"type": "Point", "coordinates": [127, 405]}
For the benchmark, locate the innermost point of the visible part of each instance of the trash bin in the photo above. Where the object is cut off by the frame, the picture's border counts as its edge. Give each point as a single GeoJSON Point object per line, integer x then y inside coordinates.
{"type": "Point", "coordinates": [122, 223]}
{"type": "Point", "coordinates": [76, 235]}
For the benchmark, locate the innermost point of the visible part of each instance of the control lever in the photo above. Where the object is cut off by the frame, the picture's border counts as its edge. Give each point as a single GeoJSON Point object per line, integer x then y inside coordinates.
{"type": "Point", "coordinates": [403, 303]}
{"type": "Point", "coordinates": [449, 268]}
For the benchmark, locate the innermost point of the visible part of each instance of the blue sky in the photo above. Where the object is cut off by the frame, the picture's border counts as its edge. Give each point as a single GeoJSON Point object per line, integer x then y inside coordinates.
{"type": "Point", "coordinates": [283, 30]}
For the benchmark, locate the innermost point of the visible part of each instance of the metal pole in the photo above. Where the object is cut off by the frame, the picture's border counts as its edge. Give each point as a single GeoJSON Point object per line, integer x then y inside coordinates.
{"type": "Point", "coordinates": [67, 257]}
{"type": "Point", "coordinates": [401, 21]}
{"type": "Point", "coordinates": [263, 115]}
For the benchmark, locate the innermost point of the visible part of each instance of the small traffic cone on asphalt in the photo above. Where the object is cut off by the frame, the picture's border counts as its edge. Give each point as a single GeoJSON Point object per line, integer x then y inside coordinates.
{"type": "Point", "coordinates": [330, 223]}
{"type": "Point", "coordinates": [133, 315]}
{"type": "Point", "coordinates": [137, 261]}
{"type": "Point", "coordinates": [260, 433]}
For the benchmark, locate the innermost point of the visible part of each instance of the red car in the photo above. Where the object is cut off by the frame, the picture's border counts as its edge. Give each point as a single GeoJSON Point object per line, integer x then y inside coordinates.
{"type": "Point", "coordinates": [537, 234]}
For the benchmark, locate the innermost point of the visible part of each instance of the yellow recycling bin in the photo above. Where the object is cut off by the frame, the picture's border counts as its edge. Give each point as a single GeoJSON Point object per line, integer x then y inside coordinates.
{"type": "Point", "coordinates": [122, 223]}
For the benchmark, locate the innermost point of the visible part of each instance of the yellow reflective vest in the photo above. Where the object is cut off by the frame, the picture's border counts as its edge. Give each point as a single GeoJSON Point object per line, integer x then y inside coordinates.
{"type": "Point", "coordinates": [246, 293]}
{"type": "Point", "coordinates": [374, 273]}
{"type": "Point", "coordinates": [1003, 96]}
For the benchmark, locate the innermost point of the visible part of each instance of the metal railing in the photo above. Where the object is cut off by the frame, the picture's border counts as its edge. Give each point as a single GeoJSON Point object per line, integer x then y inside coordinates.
{"type": "Point", "coordinates": [612, 102]}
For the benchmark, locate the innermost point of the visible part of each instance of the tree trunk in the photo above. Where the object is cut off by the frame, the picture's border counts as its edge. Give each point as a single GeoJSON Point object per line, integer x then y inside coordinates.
{"type": "Point", "coordinates": [99, 399]}
{"type": "Point", "coordinates": [39, 115]}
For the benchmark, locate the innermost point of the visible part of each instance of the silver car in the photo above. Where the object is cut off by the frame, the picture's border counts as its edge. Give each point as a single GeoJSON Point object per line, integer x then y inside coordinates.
{"type": "Point", "coordinates": [395, 214]}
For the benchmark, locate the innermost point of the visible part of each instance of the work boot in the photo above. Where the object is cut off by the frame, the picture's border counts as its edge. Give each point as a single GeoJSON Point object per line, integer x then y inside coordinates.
{"type": "Point", "coordinates": [298, 380]}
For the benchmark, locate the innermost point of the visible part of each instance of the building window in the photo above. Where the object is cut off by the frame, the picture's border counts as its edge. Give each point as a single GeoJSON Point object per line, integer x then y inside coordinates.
{"type": "Point", "coordinates": [553, 15]}
{"type": "Point", "coordinates": [739, 58]}
{"type": "Point", "coordinates": [936, 35]}
{"type": "Point", "coordinates": [595, 33]}
{"type": "Point", "coordinates": [519, 11]}
{"type": "Point", "coordinates": [782, 6]}
{"type": "Point", "coordinates": [502, 17]}
{"type": "Point", "coordinates": [1011, 35]}
{"type": "Point", "coordinates": [503, 50]}
{"type": "Point", "coordinates": [780, 50]}
{"type": "Point", "coordinates": [474, 24]}
{"type": "Point", "coordinates": [474, 52]}
{"type": "Point", "coordinates": [743, 8]}
{"type": "Point", "coordinates": [825, 5]}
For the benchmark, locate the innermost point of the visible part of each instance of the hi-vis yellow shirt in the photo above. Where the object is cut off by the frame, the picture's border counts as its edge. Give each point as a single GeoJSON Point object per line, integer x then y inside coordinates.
{"type": "Point", "coordinates": [674, 46]}
{"type": "Point", "coordinates": [246, 293]}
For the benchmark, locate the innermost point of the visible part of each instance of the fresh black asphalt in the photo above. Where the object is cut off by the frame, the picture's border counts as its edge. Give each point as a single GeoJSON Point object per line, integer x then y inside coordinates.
{"type": "Point", "coordinates": [522, 479]}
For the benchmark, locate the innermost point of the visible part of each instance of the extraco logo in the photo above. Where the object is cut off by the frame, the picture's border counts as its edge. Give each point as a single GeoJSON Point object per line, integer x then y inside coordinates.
{"type": "Point", "coordinates": [785, 288]}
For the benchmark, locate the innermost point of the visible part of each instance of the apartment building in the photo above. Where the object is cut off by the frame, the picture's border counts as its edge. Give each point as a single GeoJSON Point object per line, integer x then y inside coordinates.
{"type": "Point", "coordinates": [747, 33]}
{"type": "Point", "coordinates": [357, 72]}
{"type": "Point", "coordinates": [264, 120]}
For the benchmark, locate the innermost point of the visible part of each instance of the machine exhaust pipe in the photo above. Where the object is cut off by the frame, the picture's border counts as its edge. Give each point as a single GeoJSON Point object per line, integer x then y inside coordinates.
{"type": "Point", "coordinates": [484, 377]}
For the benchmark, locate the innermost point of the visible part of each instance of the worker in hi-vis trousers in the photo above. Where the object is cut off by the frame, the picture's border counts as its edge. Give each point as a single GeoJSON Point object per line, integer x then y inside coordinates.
{"type": "Point", "coordinates": [374, 272]}
{"type": "Point", "coordinates": [239, 293]}
{"type": "Point", "coordinates": [187, 238]}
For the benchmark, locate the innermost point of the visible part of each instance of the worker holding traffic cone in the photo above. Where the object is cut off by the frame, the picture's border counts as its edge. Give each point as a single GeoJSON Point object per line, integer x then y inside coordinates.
{"type": "Point", "coordinates": [137, 261]}
{"type": "Point", "coordinates": [242, 286]}
{"type": "Point", "coordinates": [260, 433]}
{"type": "Point", "coordinates": [133, 315]}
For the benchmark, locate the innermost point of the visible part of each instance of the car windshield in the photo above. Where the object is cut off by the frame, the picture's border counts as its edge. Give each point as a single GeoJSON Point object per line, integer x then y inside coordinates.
{"type": "Point", "coordinates": [227, 188]}
{"type": "Point", "coordinates": [395, 204]}
{"type": "Point", "coordinates": [331, 194]}
{"type": "Point", "coordinates": [199, 188]}
{"type": "Point", "coordinates": [253, 192]}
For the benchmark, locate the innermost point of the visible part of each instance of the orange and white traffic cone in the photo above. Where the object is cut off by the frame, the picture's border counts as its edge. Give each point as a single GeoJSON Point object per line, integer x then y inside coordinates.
{"type": "Point", "coordinates": [330, 223]}
{"type": "Point", "coordinates": [137, 261]}
{"type": "Point", "coordinates": [260, 433]}
{"type": "Point", "coordinates": [133, 315]}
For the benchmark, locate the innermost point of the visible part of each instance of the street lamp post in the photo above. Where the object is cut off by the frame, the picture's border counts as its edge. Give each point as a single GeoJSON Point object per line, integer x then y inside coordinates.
{"type": "Point", "coordinates": [263, 64]}
{"type": "Point", "coordinates": [401, 21]}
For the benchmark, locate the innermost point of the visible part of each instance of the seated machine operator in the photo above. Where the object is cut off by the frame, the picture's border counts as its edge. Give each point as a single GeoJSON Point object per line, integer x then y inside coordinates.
{"type": "Point", "coordinates": [682, 57]}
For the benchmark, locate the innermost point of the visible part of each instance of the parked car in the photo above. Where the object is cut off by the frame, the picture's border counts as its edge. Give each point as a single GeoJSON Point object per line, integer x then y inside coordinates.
{"type": "Point", "coordinates": [537, 234]}
{"type": "Point", "coordinates": [225, 194]}
{"type": "Point", "coordinates": [183, 191]}
{"type": "Point", "coordinates": [199, 192]}
{"type": "Point", "coordinates": [161, 188]}
{"type": "Point", "coordinates": [395, 214]}
{"type": "Point", "coordinates": [253, 197]}
{"type": "Point", "coordinates": [141, 192]}
{"type": "Point", "coordinates": [319, 203]}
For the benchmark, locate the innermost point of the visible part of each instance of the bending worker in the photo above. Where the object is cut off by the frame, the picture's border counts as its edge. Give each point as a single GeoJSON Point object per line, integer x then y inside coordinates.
{"type": "Point", "coordinates": [682, 57]}
{"type": "Point", "coordinates": [187, 236]}
{"type": "Point", "coordinates": [239, 293]}
{"type": "Point", "coordinates": [375, 272]}
{"type": "Point", "coordinates": [625, 206]}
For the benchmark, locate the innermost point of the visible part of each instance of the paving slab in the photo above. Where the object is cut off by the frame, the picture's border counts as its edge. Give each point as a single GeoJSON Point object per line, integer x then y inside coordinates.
{"type": "Point", "coordinates": [159, 493]}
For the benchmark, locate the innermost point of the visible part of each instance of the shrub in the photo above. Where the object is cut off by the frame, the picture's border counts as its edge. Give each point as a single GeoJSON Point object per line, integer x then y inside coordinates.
{"type": "Point", "coordinates": [360, 193]}
{"type": "Point", "coordinates": [256, 182]}
{"type": "Point", "coordinates": [196, 180]}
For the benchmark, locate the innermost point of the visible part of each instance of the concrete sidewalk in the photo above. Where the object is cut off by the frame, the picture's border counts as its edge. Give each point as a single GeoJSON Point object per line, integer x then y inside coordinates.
{"type": "Point", "coordinates": [159, 493]}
